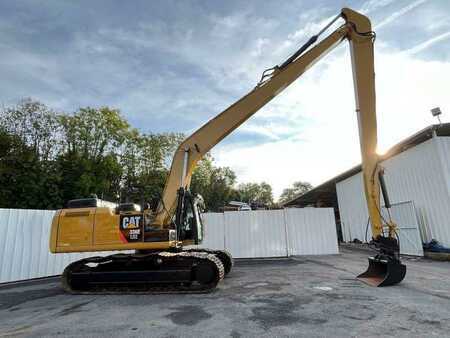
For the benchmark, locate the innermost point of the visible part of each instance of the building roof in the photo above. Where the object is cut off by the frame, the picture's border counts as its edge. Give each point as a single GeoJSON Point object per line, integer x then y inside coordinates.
{"type": "Point", "coordinates": [325, 193]}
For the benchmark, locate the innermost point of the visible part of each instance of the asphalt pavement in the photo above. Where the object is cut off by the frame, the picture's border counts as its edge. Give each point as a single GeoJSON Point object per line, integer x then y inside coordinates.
{"type": "Point", "coordinates": [314, 296]}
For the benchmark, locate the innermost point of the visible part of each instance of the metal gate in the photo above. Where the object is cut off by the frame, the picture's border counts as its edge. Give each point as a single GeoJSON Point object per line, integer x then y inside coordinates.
{"type": "Point", "coordinates": [404, 215]}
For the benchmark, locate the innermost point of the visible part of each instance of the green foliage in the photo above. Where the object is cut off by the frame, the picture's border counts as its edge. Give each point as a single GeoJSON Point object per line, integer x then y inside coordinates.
{"type": "Point", "coordinates": [82, 177]}
{"type": "Point", "coordinates": [25, 180]}
{"type": "Point", "coordinates": [215, 184]}
{"type": "Point", "coordinates": [94, 132]}
{"type": "Point", "coordinates": [145, 162]}
{"type": "Point", "coordinates": [48, 158]}
{"type": "Point", "coordinates": [255, 193]}
{"type": "Point", "coordinates": [297, 189]}
{"type": "Point", "coordinates": [28, 142]}
{"type": "Point", "coordinates": [35, 124]}
{"type": "Point", "coordinates": [90, 163]}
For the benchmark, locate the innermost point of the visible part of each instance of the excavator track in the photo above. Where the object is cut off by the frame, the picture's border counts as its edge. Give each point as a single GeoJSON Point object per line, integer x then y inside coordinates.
{"type": "Point", "coordinates": [150, 273]}
{"type": "Point", "coordinates": [224, 256]}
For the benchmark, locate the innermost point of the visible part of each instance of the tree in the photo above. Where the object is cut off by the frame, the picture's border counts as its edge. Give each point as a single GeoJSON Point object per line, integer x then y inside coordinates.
{"type": "Point", "coordinates": [298, 189]}
{"type": "Point", "coordinates": [82, 176]}
{"type": "Point", "coordinates": [29, 142]}
{"type": "Point", "coordinates": [201, 177]}
{"type": "Point", "coordinates": [255, 193]}
{"type": "Point", "coordinates": [55, 157]}
{"type": "Point", "coordinates": [90, 162]}
{"type": "Point", "coordinates": [48, 158]}
{"type": "Point", "coordinates": [94, 132]}
{"type": "Point", "coordinates": [25, 180]}
{"type": "Point", "coordinates": [35, 124]}
{"type": "Point", "coordinates": [215, 184]}
{"type": "Point", "coordinates": [221, 189]}
{"type": "Point", "coordinates": [145, 161]}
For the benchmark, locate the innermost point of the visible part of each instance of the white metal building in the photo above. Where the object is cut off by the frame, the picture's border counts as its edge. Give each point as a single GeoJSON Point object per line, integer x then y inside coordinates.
{"type": "Point", "coordinates": [418, 182]}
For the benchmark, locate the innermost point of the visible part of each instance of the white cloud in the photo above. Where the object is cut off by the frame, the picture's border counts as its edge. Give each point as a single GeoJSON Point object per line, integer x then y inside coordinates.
{"type": "Point", "coordinates": [373, 5]}
{"type": "Point", "coordinates": [399, 13]}
{"type": "Point", "coordinates": [428, 43]}
{"type": "Point", "coordinates": [406, 89]}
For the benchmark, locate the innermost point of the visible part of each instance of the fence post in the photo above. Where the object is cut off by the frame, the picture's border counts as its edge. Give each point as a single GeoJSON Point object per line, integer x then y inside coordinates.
{"type": "Point", "coordinates": [286, 232]}
{"type": "Point", "coordinates": [224, 232]}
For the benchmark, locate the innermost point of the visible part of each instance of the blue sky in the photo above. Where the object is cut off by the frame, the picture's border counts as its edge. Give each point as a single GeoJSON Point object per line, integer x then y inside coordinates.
{"type": "Point", "coordinates": [172, 65]}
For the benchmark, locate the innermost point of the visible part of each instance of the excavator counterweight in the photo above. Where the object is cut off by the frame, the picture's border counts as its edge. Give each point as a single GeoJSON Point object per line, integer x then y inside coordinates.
{"type": "Point", "coordinates": [160, 236]}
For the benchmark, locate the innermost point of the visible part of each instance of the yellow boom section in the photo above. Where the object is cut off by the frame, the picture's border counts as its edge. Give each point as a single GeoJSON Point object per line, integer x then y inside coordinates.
{"type": "Point", "coordinates": [357, 30]}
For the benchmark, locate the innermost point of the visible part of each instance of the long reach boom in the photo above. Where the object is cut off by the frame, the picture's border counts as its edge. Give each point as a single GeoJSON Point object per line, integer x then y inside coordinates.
{"type": "Point", "coordinates": [358, 31]}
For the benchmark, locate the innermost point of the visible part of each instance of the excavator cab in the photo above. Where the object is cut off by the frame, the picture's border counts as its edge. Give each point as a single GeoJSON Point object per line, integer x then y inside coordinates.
{"type": "Point", "coordinates": [188, 220]}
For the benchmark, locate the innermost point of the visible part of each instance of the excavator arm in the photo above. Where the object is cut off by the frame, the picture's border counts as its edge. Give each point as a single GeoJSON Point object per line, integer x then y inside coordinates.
{"type": "Point", "coordinates": [357, 30]}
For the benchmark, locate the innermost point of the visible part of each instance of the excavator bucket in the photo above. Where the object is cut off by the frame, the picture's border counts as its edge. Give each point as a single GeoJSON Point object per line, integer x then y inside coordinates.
{"type": "Point", "coordinates": [383, 272]}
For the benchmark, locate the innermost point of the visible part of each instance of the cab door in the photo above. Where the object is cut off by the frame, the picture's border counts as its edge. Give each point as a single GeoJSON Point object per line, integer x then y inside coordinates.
{"type": "Point", "coordinates": [188, 220]}
{"type": "Point", "coordinates": [199, 230]}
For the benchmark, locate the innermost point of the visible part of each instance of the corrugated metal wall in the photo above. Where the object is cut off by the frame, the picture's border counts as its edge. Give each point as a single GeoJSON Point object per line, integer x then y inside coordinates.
{"type": "Point", "coordinates": [272, 233]}
{"type": "Point", "coordinates": [24, 251]}
{"type": "Point", "coordinates": [311, 231]}
{"type": "Point", "coordinates": [214, 224]}
{"type": "Point", "coordinates": [352, 208]}
{"type": "Point", "coordinates": [255, 233]}
{"type": "Point", "coordinates": [419, 174]}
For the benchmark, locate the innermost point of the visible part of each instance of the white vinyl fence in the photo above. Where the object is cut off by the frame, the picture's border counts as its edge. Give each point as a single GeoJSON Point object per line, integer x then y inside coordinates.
{"type": "Point", "coordinates": [24, 243]}
{"type": "Point", "coordinates": [272, 233]}
{"type": "Point", "coordinates": [311, 231]}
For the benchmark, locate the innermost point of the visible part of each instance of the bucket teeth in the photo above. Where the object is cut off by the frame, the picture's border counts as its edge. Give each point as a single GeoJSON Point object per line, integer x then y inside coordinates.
{"type": "Point", "coordinates": [383, 272]}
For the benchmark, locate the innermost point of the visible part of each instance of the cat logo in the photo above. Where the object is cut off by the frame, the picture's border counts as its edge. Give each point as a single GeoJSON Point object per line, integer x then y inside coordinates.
{"type": "Point", "coordinates": [131, 222]}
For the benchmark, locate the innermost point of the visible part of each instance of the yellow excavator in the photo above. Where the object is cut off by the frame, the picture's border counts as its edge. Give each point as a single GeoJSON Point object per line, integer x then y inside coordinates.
{"type": "Point", "coordinates": [160, 261]}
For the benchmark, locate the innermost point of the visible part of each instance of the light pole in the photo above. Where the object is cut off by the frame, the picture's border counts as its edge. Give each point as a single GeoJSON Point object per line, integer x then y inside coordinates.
{"type": "Point", "coordinates": [436, 112]}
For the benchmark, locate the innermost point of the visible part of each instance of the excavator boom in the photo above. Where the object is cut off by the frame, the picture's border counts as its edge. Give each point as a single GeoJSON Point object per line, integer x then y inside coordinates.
{"type": "Point", "coordinates": [200, 142]}
{"type": "Point", "coordinates": [205, 138]}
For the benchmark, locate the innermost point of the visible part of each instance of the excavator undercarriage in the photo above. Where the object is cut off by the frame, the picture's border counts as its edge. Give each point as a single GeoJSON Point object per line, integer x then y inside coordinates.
{"type": "Point", "coordinates": [158, 272]}
{"type": "Point", "coordinates": [175, 270]}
